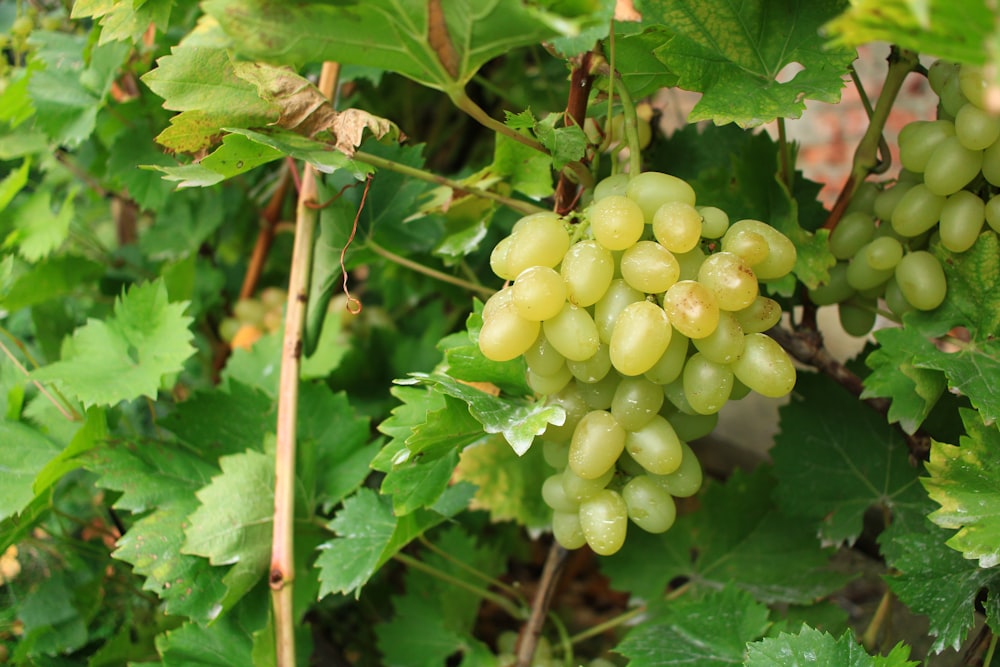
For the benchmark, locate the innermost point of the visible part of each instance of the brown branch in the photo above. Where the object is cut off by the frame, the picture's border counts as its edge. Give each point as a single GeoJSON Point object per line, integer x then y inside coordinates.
{"type": "Point", "coordinates": [532, 629]}
{"type": "Point", "coordinates": [581, 81]}
{"type": "Point", "coordinates": [269, 219]}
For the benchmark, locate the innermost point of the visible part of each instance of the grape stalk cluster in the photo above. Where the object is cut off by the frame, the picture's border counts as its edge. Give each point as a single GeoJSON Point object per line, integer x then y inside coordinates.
{"type": "Point", "coordinates": [948, 189]}
{"type": "Point", "coordinates": [641, 321]}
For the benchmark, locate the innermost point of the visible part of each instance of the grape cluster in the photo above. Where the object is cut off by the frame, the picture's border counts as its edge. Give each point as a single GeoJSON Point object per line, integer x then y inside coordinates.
{"type": "Point", "coordinates": [946, 192]}
{"type": "Point", "coordinates": [641, 323]}
{"type": "Point", "coordinates": [253, 317]}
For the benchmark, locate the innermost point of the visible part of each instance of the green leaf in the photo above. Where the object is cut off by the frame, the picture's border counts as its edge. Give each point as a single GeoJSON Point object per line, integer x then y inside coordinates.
{"type": "Point", "coordinates": [519, 421]}
{"type": "Point", "coordinates": [13, 183]}
{"type": "Point", "coordinates": [127, 355]}
{"type": "Point", "coordinates": [641, 71]}
{"type": "Point", "coordinates": [566, 144]}
{"type": "Point", "coordinates": [225, 642]}
{"type": "Point", "coordinates": [37, 230]}
{"type": "Point", "coordinates": [707, 631]}
{"type": "Point", "coordinates": [319, 154]}
{"type": "Point", "coordinates": [965, 481]}
{"type": "Point", "coordinates": [913, 391]}
{"type": "Point", "coordinates": [835, 463]}
{"type": "Point", "coordinates": [812, 647]}
{"type": "Point", "coordinates": [465, 361]}
{"type": "Point", "coordinates": [416, 484]}
{"type": "Point", "coordinates": [527, 170]}
{"type": "Point", "coordinates": [49, 279]}
{"type": "Point", "coordinates": [93, 433]}
{"type": "Point", "coordinates": [737, 537]}
{"type": "Point", "coordinates": [509, 486]}
{"type": "Point", "coordinates": [237, 155]}
{"type": "Point", "coordinates": [124, 20]}
{"type": "Point", "coordinates": [249, 414]}
{"type": "Point", "coordinates": [733, 53]}
{"type": "Point", "coordinates": [24, 454]}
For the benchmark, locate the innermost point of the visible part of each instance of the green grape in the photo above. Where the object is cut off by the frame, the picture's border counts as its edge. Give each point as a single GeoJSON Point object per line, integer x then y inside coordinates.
{"type": "Point", "coordinates": [548, 384]}
{"type": "Point", "coordinates": [835, 290]}
{"type": "Point", "coordinates": [917, 211]}
{"type": "Point", "coordinates": [607, 311]}
{"type": "Point", "coordinates": [714, 222]}
{"type": "Point", "coordinates": [991, 164]}
{"type": "Point", "coordinates": [951, 167]}
{"type": "Point", "coordinates": [690, 262]}
{"type": "Point", "coordinates": [640, 338]}
{"type": "Point", "coordinates": [250, 311]}
{"type": "Point", "coordinates": [885, 202]}
{"type": "Point", "coordinates": [863, 199]}
{"type": "Point", "coordinates": [962, 219]}
{"type": "Point", "coordinates": [759, 316]}
{"type": "Point", "coordinates": [973, 84]}
{"type": "Point", "coordinates": [851, 233]}
{"type": "Point", "coordinates": [740, 391]}
{"type": "Point", "coordinates": [649, 505]}
{"type": "Point", "coordinates": [921, 279]}
{"type": "Point", "coordinates": [730, 279]}
{"type": "Point", "coordinates": [587, 270]}
{"type": "Point", "coordinates": [567, 531]}
{"type": "Point", "coordinates": [554, 495]}
{"type": "Point", "coordinates": [952, 99]}
{"type": "Point", "coordinates": [691, 427]}
{"type": "Point", "coordinates": [939, 72]}
{"type": "Point", "coordinates": [668, 367]}
{"type": "Point", "coordinates": [707, 385]}
{"type": "Point", "coordinates": [228, 328]}
{"type": "Point", "coordinates": [724, 344]}
{"type": "Point", "coordinates": [572, 401]}
{"type": "Point", "coordinates": [573, 333]}
{"type": "Point", "coordinates": [677, 226]}
{"type": "Point", "coordinates": [655, 446]}
{"type": "Point", "coordinates": [862, 276]}
{"type": "Point", "coordinates": [919, 139]}
{"type": "Point", "coordinates": [273, 298]}
{"type": "Point", "coordinates": [976, 129]}
{"type": "Point", "coordinates": [883, 253]}
{"type": "Point", "coordinates": [857, 319]}
{"type": "Point", "coordinates": [895, 300]}
{"type": "Point", "coordinates": [579, 488]}
{"type": "Point", "coordinates": [781, 254]}
{"type": "Point", "coordinates": [594, 369]}
{"type": "Point", "coordinates": [993, 213]}
{"type": "Point", "coordinates": [539, 239]}
{"type": "Point", "coordinates": [556, 454]}
{"type": "Point", "coordinates": [604, 519]}
{"type": "Point", "coordinates": [22, 26]}
{"type": "Point", "coordinates": [643, 129]}
{"type": "Point", "coordinates": [649, 267]}
{"type": "Point", "coordinates": [597, 442]}
{"type": "Point", "coordinates": [635, 402]}
{"type": "Point", "coordinates": [652, 189]}
{"type": "Point", "coordinates": [543, 358]}
{"type": "Point", "coordinates": [612, 185]}
{"type": "Point", "coordinates": [692, 308]}
{"type": "Point", "coordinates": [686, 480]}
{"type": "Point", "coordinates": [616, 222]}
{"type": "Point", "coordinates": [629, 467]}
{"type": "Point", "coordinates": [674, 393]}
{"type": "Point", "coordinates": [539, 293]}
{"type": "Point", "coordinates": [500, 259]}
{"type": "Point", "coordinates": [500, 300]}
{"type": "Point", "coordinates": [765, 367]}
{"type": "Point", "coordinates": [748, 244]}
{"type": "Point", "coordinates": [598, 395]}
{"type": "Point", "coordinates": [506, 335]}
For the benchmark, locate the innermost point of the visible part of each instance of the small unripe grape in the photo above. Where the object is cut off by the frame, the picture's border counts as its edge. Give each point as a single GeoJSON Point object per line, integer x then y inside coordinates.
{"type": "Point", "coordinates": [917, 211]}
{"type": "Point", "coordinates": [851, 233]}
{"type": "Point", "coordinates": [836, 288]}
{"type": "Point", "coordinates": [649, 267]}
{"type": "Point", "coordinates": [730, 278]}
{"type": "Point", "coordinates": [579, 488]}
{"type": "Point", "coordinates": [543, 358]}
{"type": "Point", "coordinates": [655, 446]}
{"type": "Point", "coordinates": [669, 366]}
{"type": "Point", "coordinates": [863, 276]}
{"type": "Point", "coordinates": [674, 393]}
{"type": "Point", "coordinates": [556, 454]}
{"type": "Point", "coordinates": [885, 202]}
{"type": "Point", "coordinates": [539, 293]}
{"type": "Point", "coordinates": [692, 308]}
{"type": "Point", "coordinates": [939, 72]}
{"type": "Point", "coordinates": [677, 226]}
{"type": "Point", "coordinates": [652, 189]}
{"type": "Point", "coordinates": [616, 222]}
{"type": "Point", "coordinates": [973, 84]}
{"type": "Point", "coordinates": [883, 253]}
{"type": "Point", "coordinates": [604, 519]}
{"type": "Point", "coordinates": [952, 99]}
{"type": "Point", "coordinates": [781, 253]}
{"type": "Point", "coordinates": [951, 167]}
{"type": "Point", "coordinates": [599, 395]}
{"type": "Point", "coordinates": [594, 369]}
{"type": "Point", "coordinates": [250, 311]}
{"type": "Point", "coordinates": [554, 495]}
{"type": "Point", "coordinates": [962, 219]}
{"type": "Point", "coordinates": [570, 400]}
{"type": "Point", "coordinates": [991, 164]}
{"type": "Point", "coordinates": [596, 444]}
{"type": "Point", "coordinates": [707, 385]}
{"type": "Point", "coordinates": [856, 319]}
{"type": "Point", "coordinates": [500, 259]}
{"type": "Point", "coordinates": [506, 335]}
{"type": "Point", "coordinates": [497, 302]}
{"type": "Point", "coordinates": [539, 239]}
{"type": "Point", "coordinates": [714, 222]}
{"type": "Point", "coordinates": [587, 270]}
{"type": "Point", "coordinates": [635, 402]}
{"type": "Point", "coordinates": [691, 427]}
{"type": "Point", "coordinates": [273, 298]}
{"type": "Point", "coordinates": [724, 344]}
{"type": "Point", "coordinates": [567, 531]}
{"type": "Point", "coordinates": [922, 280]}
{"type": "Point", "coordinates": [649, 505]}
{"type": "Point", "coordinates": [919, 139]}
{"type": "Point", "coordinates": [993, 213]}
{"type": "Point", "coordinates": [690, 262]}
{"type": "Point", "coordinates": [686, 480]}
{"type": "Point", "coordinates": [550, 383]}
{"type": "Point", "coordinates": [607, 311]}
{"type": "Point", "coordinates": [759, 316]}
{"type": "Point", "coordinates": [895, 300]}
{"type": "Point", "coordinates": [976, 129]}
{"type": "Point", "coordinates": [573, 333]}
{"type": "Point", "coordinates": [640, 338]}
{"type": "Point", "coordinates": [748, 244]}
{"type": "Point", "coordinates": [228, 328]}
{"type": "Point", "coordinates": [863, 199]}
{"type": "Point", "coordinates": [612, 185]}
{"type": "Point", "coordinates": [765, 367]}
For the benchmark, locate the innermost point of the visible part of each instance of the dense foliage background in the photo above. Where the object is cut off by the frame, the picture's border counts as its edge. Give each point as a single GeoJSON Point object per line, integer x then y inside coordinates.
{"type": "Point", "coordinates": [198, 469]}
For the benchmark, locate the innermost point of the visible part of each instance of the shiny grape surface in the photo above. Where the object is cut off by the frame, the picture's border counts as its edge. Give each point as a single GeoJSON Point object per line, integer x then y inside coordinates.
{"type": "Point", "coordinates": [641, 321]}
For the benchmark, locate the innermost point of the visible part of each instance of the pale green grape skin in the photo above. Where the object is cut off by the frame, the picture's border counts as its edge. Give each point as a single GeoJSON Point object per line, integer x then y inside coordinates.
{"type": "Point", "coordinates": [835, 290]}
{"type": "Point", "coordinates": [895, 300]}
{"type": "Point", "coordinates": [852, 232]}
{"type": "Point", "coordinates": [883, 253]}
{"type": "Point", "coordinates": [655, 446]}
{"type": "Point", "coordinates": [724, 344]}
{"type": "Point", "coordinates": [714, 222]}
{"type": "Point", "coordinates": [951, 167]}
{"type": "Point", "coordinates": [781, 254]}
{"type": "Point", "coordinates": [555, 496]}
{"type": "Point", "coordinates": [991, 164]}
{"type": "Point", "coordinates": [500, 259]}
{"type": "Point", "coordinates": [730, 278]}
{"type": "Point", "coordinates": [250, 311]}
{"type": "Point", "coordinates": [677, 226]}
{"type": "Point", "coordinates": [587, 270]}
{"type": "Point", "coordinates": [740, 391]}
{"type": "Point", "coordinates": [556, 454]}
{"type": "Point", "coordinates": [506, 335]}
{"type": "Point", "coordinates": [863, 198]}
{"type": "Point", "coordinates": [649, 505]}
{"type": "Point", "coordinates": [917, 211]}
{"type": "Point", "coordinates": [635, 402]}
{"type": "Point", "coordinates": [975, 128]}
{"type": "Point", "coordinates": [567, 531]}
{"type": "Point", "coordinates": [599, 395]}
{"type": "Point", "coordinates": [539, 239]}
{"type": "Point", "coordinates": [973, 84]}
{"type": "Point", "coordinates": [674, 393]}
{"type": "Point", "coordinates": [607, 311]}
{"type": "Point", "coordinates": [543, 358]}
{"type": "Point", "coordinates": [862, 276]}
{"type": "Point", "coordinates": [616, 222]}
{"type": "Point", "coordinates": [539, 293]}
{"type": "Point", "coordinates": [993, 213]}
{"type": "Point", "coordinates": [497, 302]}
{"type": "Point", "coordinates": [597, 442]}
{"type": "Point", "coordinates": [961, 221]}
{"type": "Point", "coordinates": [652, 189]}
{"type": "Point", "coordinates": [612, 185]}
{"type": "Point", "coordinates": [759, 316]}
{"type": "Point", "coordinates": [650, 268]}
{"type": "Point", "coordinates": [857, 319]}
{"type": "Point", "coordinates": [952, 99]}
{"type": "Point", "coordinates": [919, 139]}
{"type": "Point", "coordinates": [693, 310]}
{"type": "Point", "coordinates": [748, 244]}
{"type": "Point", "coordinates": [573, 333]}
{"type": "Point", "coordinates": [885, 202]}
{"type": "Point", "coordinates": [579, 488]}
{"type": "Point", "coordinates": [691, 427]}
{"type": "Point", "coordinates": [690, 262]}
{"type": "Point", "coordinates": [686, 480]}
{"type": "Point", "coordinates": [940, 72]}
{"type": "Point", "coordinates": [707, 385]}
{"type": "Point", "coordinates": [228, 328]}
{"type": "Point", "coordinates": [640, 338]}
{"type": "Point", "coordinates": [765, 367]}
{"type": "Point", "coordinates": [571, 400]}
{"type": "Point", "coordinates": [921, 280]}
{"type": "Point", "coordinates": [594, 369]}
{"type": "Point", "coordinates": [604, 519]}
{"type": "Point", "coordinates": [548, 384]}
{"type": "Point", "coordinates": [670, 364]}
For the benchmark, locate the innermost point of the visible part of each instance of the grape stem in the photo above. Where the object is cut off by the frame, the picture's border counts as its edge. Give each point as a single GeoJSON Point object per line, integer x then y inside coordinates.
{"type": "Point", "coordinates": [269, 219]}
{"type": "Point", "coordinates": [555, 562]}
{"type": "Point", "coordinates": [481, 290]}
{"type": "Point", "coordinates": [441, 553]}
{"type": "Point", "coordinates": [66, 411]}
{"type": "Point", "coordinates": [498, 600]}
{"type": "Point", "coordinates": [581, 80]}
{"type": "Point", "coordinates": [884, 611]}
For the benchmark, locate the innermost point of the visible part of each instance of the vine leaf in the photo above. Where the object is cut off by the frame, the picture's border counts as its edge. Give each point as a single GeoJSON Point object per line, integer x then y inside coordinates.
{"type": "Point", "coordinates": [965, 481]}
{"type": "Point", "coordinates": [810, 646]}
{"type": "Point", "coordinates": [124, 20]}
{"type": "Point", "coordinates": [914, 391]}
{"type": "Point", "coordinates": [38, 231]}
{"type": "Point", "coordinates": [229, 640]}
{"type": "Point", "coordinates": [127, 355]}
{"type": "Point", "coordinates": [466, 361]}
{"type": "Point", "coordinates": [833, 464]}
{"type": "Point", "coordinates": [709, 631]}
{"type": "Point", "coordinates": [49, 279]}
{"type": "Point", "coordinates": [24, 455]}
{"type": "Point", "coordinates": [733, 53]}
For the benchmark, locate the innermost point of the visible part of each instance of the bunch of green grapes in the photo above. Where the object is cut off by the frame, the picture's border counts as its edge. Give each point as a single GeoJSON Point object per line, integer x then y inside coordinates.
{"type": "Point", "coordinates": [253, 317]}
{"type": "Point", "coordinates": [641, 322]}
{"type": "Point", "coordinates": [946, 193]}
